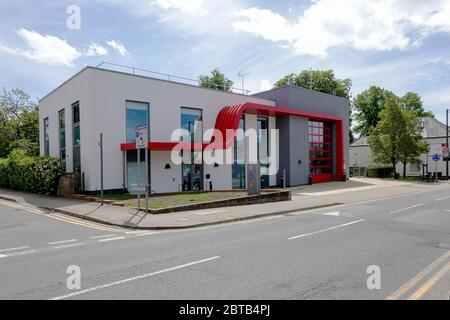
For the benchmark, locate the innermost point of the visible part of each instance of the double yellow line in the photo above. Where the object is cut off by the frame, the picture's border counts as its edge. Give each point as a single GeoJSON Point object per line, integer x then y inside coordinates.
{"type": "Point", "coordinates": [443, 261]}
{"type": "Point", "coordinates": [61, 217]}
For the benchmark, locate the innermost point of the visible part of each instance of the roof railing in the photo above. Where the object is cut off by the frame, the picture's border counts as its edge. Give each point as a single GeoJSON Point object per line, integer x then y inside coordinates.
{"type": "Point", "coordinates": [170, 77]}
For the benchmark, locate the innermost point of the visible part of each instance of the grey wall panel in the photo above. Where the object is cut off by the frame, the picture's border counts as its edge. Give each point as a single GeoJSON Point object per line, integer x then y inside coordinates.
{"type": "Point", "coordinates": [284, 150]}
{"type": "Point", "coordinates": [299, 151]}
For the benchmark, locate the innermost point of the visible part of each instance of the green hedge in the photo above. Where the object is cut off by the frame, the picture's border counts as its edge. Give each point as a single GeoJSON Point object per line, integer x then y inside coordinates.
{"type": "Point", "coordinates": [30, 174]}
{"type": "Point", "coordinates": [4, 173]}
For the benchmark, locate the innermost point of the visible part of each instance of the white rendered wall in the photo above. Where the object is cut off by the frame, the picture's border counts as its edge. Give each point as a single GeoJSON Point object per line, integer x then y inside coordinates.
{"type": "Point", "coordinates": [102, 95]}
{"type": "Point", "coordinates": [76, 89]}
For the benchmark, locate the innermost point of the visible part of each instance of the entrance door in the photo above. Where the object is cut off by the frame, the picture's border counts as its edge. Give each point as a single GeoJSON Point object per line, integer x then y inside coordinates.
{"type": "Point", "coordinates": [192, 177]}
{"type": "Point", "coordinates": [321, 151]}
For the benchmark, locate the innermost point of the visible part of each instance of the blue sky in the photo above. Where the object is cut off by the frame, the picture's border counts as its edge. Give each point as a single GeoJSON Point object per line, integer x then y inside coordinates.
{"type": "Point", "coordinates": [401, 45]}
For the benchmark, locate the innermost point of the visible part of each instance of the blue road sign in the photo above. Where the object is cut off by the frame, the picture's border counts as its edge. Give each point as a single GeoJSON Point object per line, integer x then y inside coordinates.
{"type": "Point", "coordinates": [436, 157]}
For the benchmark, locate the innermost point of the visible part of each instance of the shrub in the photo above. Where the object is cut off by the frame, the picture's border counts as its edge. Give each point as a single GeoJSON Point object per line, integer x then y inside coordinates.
{"type": "Point", "coordinates": [33, 174]}
{"type": "Point", "coordinates": [4, 173]}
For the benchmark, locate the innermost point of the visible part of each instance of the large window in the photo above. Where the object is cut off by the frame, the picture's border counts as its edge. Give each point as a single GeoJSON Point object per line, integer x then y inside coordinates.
{"type": "Point", "coordinates": [137, 115]}
{"type": "Point", "coordinates": [76, 137]}
{"type": "Point", "coordinates": [192, 169]}
{"type": "Point", "coordinates": [238, 168]}
{"type": "Point", "coordinates": [62, 137]}
{"type": "Point", "coordinates": [263, 150]}
{"type": "Point", "coordinates": [46, 138]}
{"type": "Point", "coordinates": [321, 151]}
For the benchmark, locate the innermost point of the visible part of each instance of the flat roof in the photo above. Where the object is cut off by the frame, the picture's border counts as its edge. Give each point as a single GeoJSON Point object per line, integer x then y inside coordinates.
{"type": "Point", "coordinates": [288, 86]}
{"type": "Point", "coordinates": [149, 78]}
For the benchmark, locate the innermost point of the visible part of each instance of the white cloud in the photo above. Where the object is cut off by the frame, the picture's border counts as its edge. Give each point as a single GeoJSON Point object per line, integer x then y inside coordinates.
{"type": "Point", "coordinates": [95, 49]}
{"type": "Point", "coordinates": [189, 6]}
{"type": "Point", "coordinates": [8, 50]}
{"type": "Point", "coordinates": [362, 24]}
{"type": "Point", "coordinates": [47, 49]}
{"type": "Point", "coordinates": [264, 85]}
{"type": "Point", "coordinates": [118, 46]}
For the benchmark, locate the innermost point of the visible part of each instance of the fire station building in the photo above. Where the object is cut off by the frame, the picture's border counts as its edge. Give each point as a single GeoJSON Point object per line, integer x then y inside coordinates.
{"type": "Point", "coordinates": [312, 126]}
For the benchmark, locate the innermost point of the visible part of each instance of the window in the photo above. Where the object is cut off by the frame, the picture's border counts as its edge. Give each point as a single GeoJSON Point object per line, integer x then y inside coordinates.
{"type": "Point", "coordinates": [263, 150]}
{"type": "Point", "coordinates": [192, 169]}
{"type": "Point", "coordinates": [76, 124]}
{"type": "Point", "coordinates": [76, 137]}
{"type": "Point", "coordinates": [46, 138]}
{"type": "Point", "coordinates": [62, 137]}
{"type": "Point", "coordinates": [238, 168]}
{"type": "Point", "coordinates": [136, 116]}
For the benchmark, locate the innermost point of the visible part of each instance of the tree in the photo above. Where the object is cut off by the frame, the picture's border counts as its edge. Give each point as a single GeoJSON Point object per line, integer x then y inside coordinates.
{"type": "Point", "coordinates": [385, 139]}
{"type": "Point", "coordinates": [367, 107]}
{"type": "Point", "coordinates": [19, 122]}
{"type": "Point", "coordinates": [413, 102]}
{"type": "Point", "coordinates": [319, 80]}
{"type": "Point", "coordinates": [411, 142]}
{"type": "Point", "coordinates": [216, 80]}
{"type": "Point", "coordinates": [350, 132]}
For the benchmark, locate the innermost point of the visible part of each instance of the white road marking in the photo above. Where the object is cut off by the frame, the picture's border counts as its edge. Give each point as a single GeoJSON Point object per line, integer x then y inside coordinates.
{"type": "Point", "coordinates": [70, 245]}
{"type": "Point", "coordinates": [404, 209]}
{"type": "Point", "coordinates": [442, 198]}
{"type": "Point", "coordinates": [111, 239]}
{"type": "Point", "coordinates": [112, 284]}
{"type": "Point", "coordinates": [104, 236]}
{"type": "Point", "coordinates": [146, 234]}
{"type": "Point", "coordinates": [17, 254]}
{"type": "Point", "coordinates": [333, 214]}
{"type": "Point", "coordinates": [13, 249]}
{"type": "Point", "coordinates": [61, 242]}
{"type": "Point", "coordinates": [327, 229]}
{"type": "Point", "coordinates": [136, 232]}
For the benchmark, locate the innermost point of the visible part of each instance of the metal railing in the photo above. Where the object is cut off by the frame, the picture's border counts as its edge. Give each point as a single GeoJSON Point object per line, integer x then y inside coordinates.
{"type": "Point", "coordinates": [165, 76]}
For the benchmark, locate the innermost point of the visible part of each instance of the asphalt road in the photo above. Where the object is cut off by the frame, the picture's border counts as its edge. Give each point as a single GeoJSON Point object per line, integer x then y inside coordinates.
{"type": "Point", "coordinates": [321, 254]}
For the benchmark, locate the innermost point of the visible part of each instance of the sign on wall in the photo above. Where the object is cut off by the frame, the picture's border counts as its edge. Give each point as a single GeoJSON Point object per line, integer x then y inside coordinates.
{"type": "Point", "coordinates": [141, 137]}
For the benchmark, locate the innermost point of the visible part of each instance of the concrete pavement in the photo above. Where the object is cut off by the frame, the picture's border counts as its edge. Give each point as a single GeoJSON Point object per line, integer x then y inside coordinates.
{"type": "Point", "coordinates": [321, 254]}
{"type": "Point", "coordinates": [304, 198]}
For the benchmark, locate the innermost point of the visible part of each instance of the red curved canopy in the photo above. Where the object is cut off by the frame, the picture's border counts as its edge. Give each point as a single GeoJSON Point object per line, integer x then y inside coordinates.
{"type": "Point", "coordinates": [229, 117]}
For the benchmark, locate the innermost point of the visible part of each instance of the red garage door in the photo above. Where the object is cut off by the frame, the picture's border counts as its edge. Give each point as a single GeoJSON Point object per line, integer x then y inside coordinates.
{"type": "Point", "coordinates": [321, 151]}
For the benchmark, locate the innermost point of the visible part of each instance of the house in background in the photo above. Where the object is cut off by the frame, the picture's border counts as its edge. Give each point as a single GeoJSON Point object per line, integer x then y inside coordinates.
{"type": "Point", "coordinates": [434, 134]}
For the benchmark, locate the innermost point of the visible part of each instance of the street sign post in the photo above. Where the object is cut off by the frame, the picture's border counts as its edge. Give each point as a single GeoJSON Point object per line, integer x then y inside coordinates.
{"type": "Point", "coordinates": [436, 157]}
{"type": "Point", "coordinates": [142, 143]}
